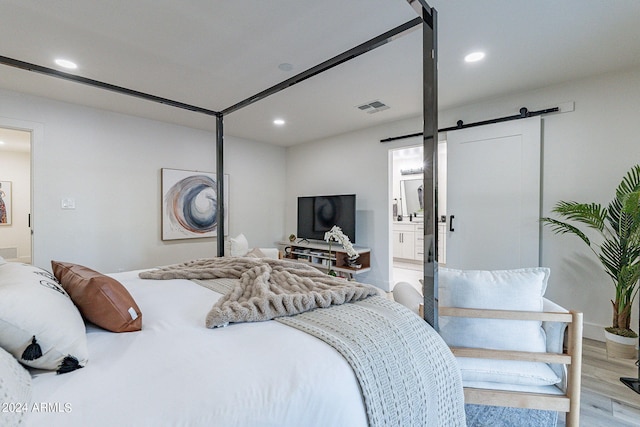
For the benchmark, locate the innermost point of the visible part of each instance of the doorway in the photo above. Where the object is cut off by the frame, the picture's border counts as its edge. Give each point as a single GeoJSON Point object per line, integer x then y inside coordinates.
{"type": "Point", "coordinates": [15, 195]}
{"type": "Point", "coordinates": [407, 237]}
{"type": "Point", "coordinates": [407, 221]}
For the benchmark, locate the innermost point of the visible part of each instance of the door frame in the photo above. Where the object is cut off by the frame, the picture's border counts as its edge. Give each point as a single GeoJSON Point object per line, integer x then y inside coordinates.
{"type": "Point", "coordinates": [36, 130]}
{"type": "Point", "coordinates": [408, 145]}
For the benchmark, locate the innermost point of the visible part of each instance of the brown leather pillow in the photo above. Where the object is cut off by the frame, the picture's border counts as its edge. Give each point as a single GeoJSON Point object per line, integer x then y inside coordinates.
{"type": "Point", "coordinates": [101, 299]}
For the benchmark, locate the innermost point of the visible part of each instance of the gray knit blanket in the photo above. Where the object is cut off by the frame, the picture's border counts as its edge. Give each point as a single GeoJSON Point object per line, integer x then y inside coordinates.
{"type": "Point", "coordinates": [266, 289]}
{"type": "Point", "coordinates": [407, 374]}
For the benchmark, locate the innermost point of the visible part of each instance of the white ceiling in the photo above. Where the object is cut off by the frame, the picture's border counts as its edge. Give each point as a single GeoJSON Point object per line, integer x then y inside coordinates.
{"type": "Point", "coordinates": [214, 53]}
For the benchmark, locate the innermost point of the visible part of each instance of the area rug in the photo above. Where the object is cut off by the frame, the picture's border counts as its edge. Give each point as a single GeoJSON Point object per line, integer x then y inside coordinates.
{"type": "Point", "coordinates": [499, 416]}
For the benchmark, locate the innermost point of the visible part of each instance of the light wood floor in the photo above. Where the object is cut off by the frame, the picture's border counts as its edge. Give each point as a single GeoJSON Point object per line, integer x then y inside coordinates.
{"type": "Point", "coordinates": [606, 402]}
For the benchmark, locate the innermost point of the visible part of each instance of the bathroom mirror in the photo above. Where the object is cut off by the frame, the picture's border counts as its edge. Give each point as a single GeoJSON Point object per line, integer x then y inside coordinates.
{"type": "Point", "coordinates": [412, 196]}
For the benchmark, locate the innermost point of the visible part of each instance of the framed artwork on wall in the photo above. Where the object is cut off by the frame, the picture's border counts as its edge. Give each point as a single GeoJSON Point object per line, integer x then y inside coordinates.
{"type": "Point", "coordinates": [190, 204]}
{"type": "Point", "coordinates": [5, 203]}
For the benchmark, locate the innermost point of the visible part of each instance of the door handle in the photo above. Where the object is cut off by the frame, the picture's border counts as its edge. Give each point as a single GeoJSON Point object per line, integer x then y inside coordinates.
{"type": "Point", "coordinates": [451, 223]}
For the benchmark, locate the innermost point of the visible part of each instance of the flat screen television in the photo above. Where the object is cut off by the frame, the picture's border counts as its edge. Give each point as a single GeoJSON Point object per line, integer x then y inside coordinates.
{"type": "Point", "coordinates": [317, 214]}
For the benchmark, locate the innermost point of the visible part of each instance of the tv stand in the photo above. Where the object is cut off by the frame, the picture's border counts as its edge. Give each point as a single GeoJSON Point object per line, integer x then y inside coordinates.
{"type": "Point", "coordinates": [316, 253]}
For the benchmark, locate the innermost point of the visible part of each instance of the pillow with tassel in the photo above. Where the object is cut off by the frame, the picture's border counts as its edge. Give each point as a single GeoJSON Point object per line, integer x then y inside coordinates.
{"type": "Point", "coordinates": [39, 324]}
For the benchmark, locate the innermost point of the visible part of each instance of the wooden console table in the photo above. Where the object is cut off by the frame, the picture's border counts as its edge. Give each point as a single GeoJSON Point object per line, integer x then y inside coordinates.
{"type": "Point", "coordinates": [317, 254]}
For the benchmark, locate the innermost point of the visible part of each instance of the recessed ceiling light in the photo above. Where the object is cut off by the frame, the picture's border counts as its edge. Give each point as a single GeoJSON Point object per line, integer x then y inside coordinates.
{"type": "Point", "coordinates": [1, 142]}
{"type": "Point", "coordinates": [474, 57]}
{"type": "Point", "coordinates": [278, 122]}
{"type": "Point", "coordinates": [65, 63]}
{"type": "Point", "coordinates": [285, 66]}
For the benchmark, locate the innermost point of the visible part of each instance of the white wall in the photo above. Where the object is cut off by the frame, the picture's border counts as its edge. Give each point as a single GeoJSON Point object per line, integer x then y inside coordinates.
{"type": "Point", "coordinates": [585, 155]}
{"type": "Point", "coordinates": [15, 167]}
{"type": "Point", "coordinates": [110, 164]}
{"type": "Point", "coordinates": [352, 163]}
{"type": "Point", "coordinates": [256, 190]}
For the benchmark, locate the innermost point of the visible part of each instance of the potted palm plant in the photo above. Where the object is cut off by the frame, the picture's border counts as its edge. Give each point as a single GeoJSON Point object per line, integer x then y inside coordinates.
{"type": "Point", "coordinates": [618, 225]}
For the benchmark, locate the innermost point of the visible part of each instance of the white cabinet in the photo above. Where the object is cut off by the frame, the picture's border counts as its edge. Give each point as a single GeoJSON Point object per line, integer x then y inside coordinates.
{"type": "Point", "coordinates": [405, 240]}
{"type": "Point", "coordinates": [408, 241]}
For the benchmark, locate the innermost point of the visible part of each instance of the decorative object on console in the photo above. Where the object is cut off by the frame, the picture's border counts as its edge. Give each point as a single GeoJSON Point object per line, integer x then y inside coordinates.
{"type": "Point", "coordinates": [190, 204]}
{"type": "Point", "coordinates": [619, 227]}
{"type": "Point", "coordinates": [292, 237]}
{"type": "Point", "coordinates": [336, 235]}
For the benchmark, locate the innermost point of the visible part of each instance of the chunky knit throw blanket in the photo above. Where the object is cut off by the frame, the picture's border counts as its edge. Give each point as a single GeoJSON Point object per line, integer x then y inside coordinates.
{"type": "Point", "coordinates": [266, 288]}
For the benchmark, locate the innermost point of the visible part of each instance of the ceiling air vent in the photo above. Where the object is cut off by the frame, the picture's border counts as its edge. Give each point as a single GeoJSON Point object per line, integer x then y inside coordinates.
{"type": "Point", "coordinates": [373, 107]}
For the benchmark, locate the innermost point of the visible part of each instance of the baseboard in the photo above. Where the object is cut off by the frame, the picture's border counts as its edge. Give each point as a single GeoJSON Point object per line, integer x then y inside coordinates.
{"type": "Point", "coordinates": [593, 331]}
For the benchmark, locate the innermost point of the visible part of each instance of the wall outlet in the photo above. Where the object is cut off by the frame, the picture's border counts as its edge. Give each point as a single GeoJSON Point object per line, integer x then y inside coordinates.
{"type": "Point", "coordinates": [68, 203]}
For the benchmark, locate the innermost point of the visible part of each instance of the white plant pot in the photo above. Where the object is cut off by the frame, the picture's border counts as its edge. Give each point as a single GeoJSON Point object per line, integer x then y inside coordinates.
{"type": "Point", "coordinates": [621, 347]}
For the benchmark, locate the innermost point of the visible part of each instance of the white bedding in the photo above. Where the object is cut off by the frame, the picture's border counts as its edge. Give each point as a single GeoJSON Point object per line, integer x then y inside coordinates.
{"type": "Point", "coordinates": [250, 374]}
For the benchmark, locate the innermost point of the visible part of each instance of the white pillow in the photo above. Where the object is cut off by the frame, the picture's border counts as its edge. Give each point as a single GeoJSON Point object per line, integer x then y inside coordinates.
{"type": "Point", "coordinates": [514, 372]}
{"type": "Point", "coordinates": [39, 324]}
{"type": "Point", "coordinates": [520, 289]}
{"type": "Point", "coordinates": [239, 245]}
{"type": "Point", "coordinates": [15, 390]}
{"type": "Point", "coordinates": [255, 253]}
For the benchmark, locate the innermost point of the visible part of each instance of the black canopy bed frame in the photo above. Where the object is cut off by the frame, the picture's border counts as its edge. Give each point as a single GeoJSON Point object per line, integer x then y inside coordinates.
{"type": "Point", "coordinates": [426, 19]}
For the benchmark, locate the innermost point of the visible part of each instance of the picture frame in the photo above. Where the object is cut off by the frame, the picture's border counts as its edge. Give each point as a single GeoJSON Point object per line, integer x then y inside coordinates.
{"type": "Point", "coordinates": [189, 204]}
{"type": "Point", "coordinates": [5, 203]}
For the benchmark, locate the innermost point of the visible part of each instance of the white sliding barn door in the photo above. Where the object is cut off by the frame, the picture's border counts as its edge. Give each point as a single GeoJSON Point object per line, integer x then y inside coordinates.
{"type": "Point", "coordinates": [493, 196]}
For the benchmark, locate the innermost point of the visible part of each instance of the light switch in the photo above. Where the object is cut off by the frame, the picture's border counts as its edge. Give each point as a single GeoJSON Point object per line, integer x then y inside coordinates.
{"type": "Point", "coordinates": [68, 203]}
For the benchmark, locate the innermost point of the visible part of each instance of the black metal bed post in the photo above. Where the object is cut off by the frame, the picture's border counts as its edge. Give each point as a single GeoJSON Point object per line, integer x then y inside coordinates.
{"type": "Point", "coordinates": [220, 183]}
{"type": "Point", "coordinates": [430, 144]}
{"type": "Point", "coordinates": [430, 106]}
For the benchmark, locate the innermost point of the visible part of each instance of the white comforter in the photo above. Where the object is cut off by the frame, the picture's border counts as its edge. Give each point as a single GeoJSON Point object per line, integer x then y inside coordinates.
{"type": "Point", "coordinates": [176, 372]}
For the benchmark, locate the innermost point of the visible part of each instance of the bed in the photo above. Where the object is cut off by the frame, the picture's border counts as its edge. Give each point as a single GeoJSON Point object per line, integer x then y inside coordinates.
{"type": "Point", "coordinates": [384, 366]}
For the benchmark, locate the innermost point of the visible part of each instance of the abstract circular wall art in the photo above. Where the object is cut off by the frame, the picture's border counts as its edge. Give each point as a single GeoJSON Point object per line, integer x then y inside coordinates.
{"type": "Point", "coordinates": [190, 204]}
